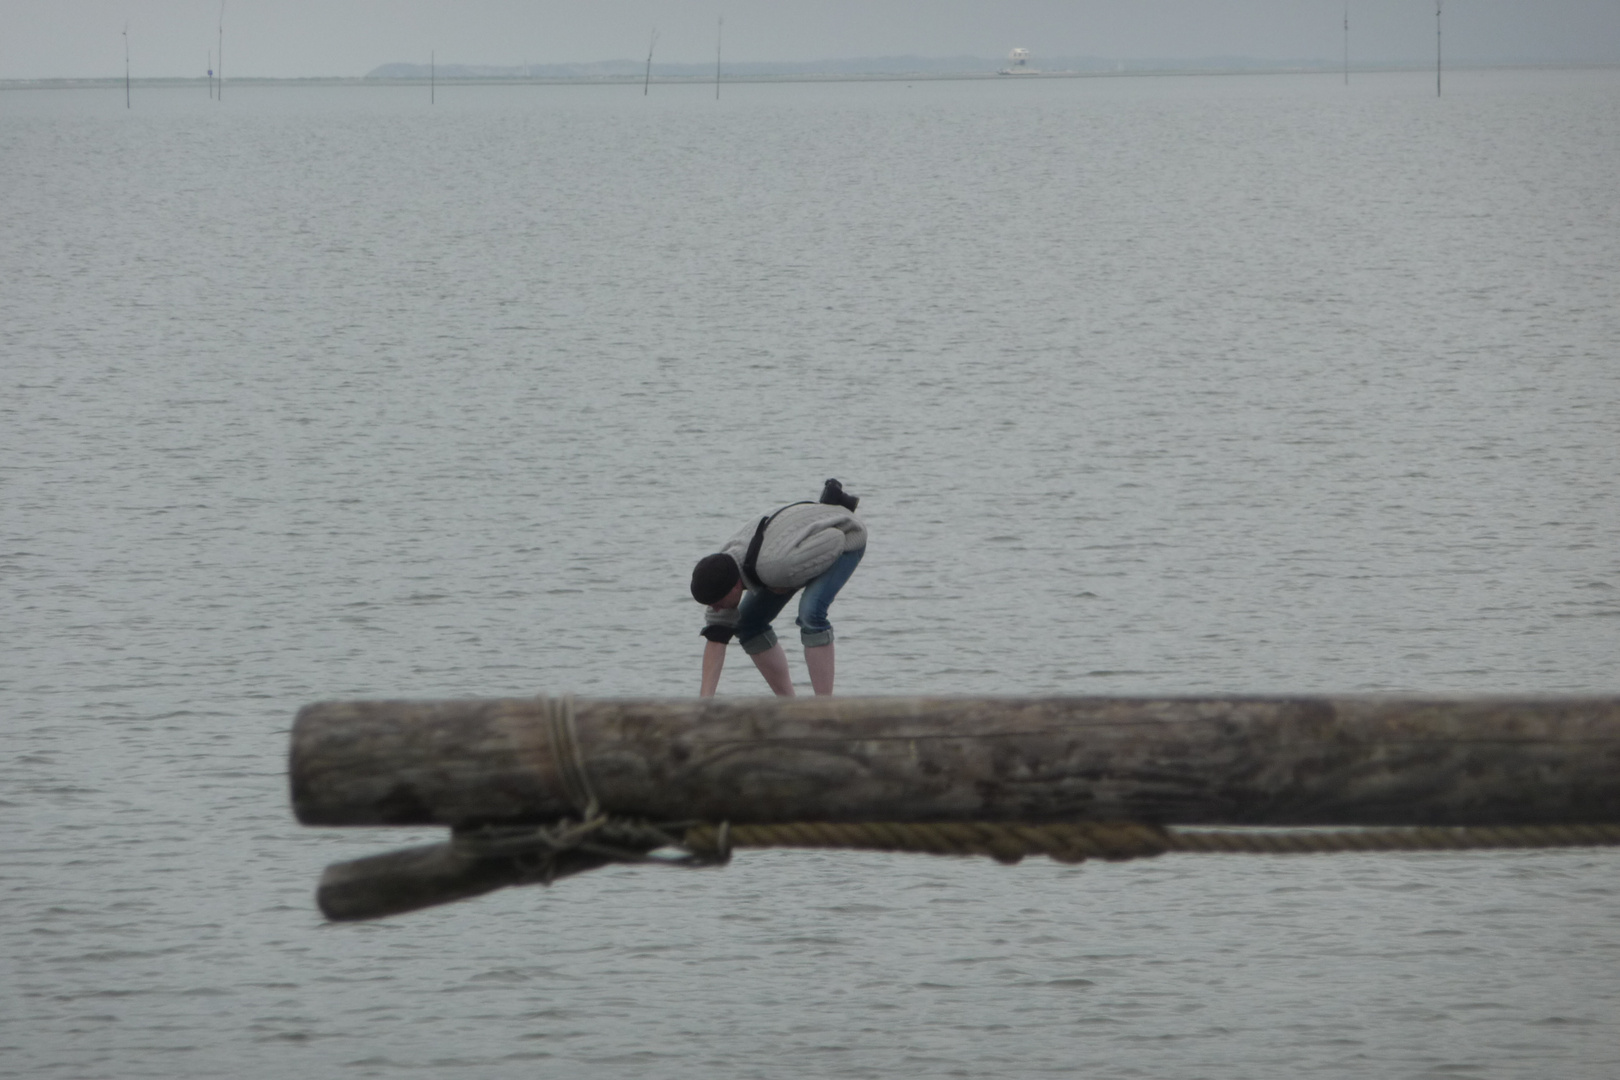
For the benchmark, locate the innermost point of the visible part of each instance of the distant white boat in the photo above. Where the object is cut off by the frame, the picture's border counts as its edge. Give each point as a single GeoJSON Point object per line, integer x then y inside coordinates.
{"type": "Point", "coordinates": [1018, 64]}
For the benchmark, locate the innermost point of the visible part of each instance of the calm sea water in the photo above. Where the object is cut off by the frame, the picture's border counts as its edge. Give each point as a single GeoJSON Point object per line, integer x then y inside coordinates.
{"type": "Point", "coordinates": [1147, 385]}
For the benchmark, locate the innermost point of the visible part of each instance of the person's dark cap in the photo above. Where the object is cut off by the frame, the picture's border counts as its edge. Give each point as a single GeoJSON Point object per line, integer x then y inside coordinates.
{"type": "Point", "coordinates": [713, 577]}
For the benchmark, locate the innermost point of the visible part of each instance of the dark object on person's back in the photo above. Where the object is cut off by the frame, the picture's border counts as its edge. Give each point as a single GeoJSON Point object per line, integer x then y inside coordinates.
{"type": "Point", "coordinates": [833, 494]}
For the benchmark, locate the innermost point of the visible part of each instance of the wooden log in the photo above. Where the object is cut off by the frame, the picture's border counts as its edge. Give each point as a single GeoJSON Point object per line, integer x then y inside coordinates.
{"type": "Point", "coordinates": [1281, 761]}
{"type": "Point", "coordinates": [401, 881]}
{"type": "Point", "coordinates": [478, 861]}
{"type": "Point", "coordinates": [419, 877]}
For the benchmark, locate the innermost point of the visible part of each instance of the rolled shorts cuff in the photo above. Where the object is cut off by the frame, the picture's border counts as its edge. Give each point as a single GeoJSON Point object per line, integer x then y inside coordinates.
{"type": "Point", "coordinates": [761, 642]}
{"type": "Point", "coordinates": [816, 638]}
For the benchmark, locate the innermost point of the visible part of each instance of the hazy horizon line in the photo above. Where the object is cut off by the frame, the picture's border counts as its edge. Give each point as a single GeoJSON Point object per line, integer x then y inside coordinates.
{"type": "Point", "coordinates": [893, 66]}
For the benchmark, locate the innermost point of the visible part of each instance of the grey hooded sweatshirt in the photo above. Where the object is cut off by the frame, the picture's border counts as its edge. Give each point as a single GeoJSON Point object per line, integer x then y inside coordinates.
{"type": "Point", "coordinates": [801, 543]}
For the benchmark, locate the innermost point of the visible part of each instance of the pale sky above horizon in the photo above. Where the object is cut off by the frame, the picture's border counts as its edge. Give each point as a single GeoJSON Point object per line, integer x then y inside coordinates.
{"type": "Point", "coordinates": [311, 38]}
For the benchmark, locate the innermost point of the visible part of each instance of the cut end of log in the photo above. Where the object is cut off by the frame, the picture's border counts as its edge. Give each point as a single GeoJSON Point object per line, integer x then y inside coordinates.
{"type": "Point", "coordinates": [409, 880]}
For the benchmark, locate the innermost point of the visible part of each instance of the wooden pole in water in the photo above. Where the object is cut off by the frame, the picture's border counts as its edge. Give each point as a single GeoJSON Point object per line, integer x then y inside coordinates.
{"type": "Point", "coordinates": [1437, 48]}
{"type": "Point", "coordinates": [647, 83]}
{"type": "Point", "coordinates": [1282, 761]}
{"type": "Point", "coordinates": [433, 77]}
{"type": "Point", "coordinates": [126, 65]}
{"type": "Point", "coordinates": [1347, 42]}
{"type": "Point", "coordinates": [719, 31]}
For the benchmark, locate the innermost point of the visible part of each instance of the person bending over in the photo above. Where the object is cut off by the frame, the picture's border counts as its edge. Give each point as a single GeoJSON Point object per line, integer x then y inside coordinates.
{"type": "Point", "coordinates": [814, 546]}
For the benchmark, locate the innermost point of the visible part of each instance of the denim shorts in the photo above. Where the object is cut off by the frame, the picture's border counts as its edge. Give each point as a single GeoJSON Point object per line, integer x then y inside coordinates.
{"type": "Point", "coordinates": [758, 608]}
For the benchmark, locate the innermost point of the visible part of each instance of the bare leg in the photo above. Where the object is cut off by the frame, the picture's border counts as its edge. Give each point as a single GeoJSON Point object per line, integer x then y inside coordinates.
{"type": "Point", "coordinates": [819, 660]}
{"type": "Point", "coordinates": [772, 664]}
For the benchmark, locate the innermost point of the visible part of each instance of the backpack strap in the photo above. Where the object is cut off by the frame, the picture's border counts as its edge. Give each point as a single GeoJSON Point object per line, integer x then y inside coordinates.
{"type": "Point", "coordinates": [751, 560]}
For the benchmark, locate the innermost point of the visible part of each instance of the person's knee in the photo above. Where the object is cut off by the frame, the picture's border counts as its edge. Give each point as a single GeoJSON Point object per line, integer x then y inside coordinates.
{"type": "Point", "coordinates": [813, 607]}
{"type": "Point", "coordinates": [764, 641]}
{"type": "Point", "coordinates": [814, 639]}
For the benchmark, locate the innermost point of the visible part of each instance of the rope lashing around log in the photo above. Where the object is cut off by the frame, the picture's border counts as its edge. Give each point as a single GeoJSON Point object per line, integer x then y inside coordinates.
{"type": "Point", "coordinates": [538, 849]}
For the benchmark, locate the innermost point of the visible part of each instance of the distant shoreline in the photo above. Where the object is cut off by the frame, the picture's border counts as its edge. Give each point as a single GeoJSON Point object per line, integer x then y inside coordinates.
{"type": "Point", "coordinates": [110, 82]}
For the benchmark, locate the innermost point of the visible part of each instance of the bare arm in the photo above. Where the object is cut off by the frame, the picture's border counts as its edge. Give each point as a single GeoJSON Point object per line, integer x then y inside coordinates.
{"type": "Point", "coordinates": [714, 658]}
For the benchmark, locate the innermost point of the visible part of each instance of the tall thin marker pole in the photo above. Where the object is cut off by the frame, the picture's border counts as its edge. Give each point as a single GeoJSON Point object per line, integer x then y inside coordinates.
{"type": "Point", "coordinates": [719, 31]}
{"type": "Point", "coordinates": [650, 46]}
{"type": "Point", "coordinates": [1436, 48]}
{"type": "Point", "coordinates": [1347, 42]}
{"type": "Point", "coordinates": [126, 65]}
{"type": "Point", "coordinates": [433, 77]}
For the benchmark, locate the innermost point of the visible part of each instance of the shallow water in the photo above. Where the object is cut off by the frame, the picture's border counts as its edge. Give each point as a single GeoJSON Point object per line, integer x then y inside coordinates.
{"type": "Point", "coordinates": [1148, 386]}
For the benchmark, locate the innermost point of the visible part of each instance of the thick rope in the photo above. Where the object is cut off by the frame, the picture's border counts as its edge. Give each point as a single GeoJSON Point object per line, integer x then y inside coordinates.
{"type": "Point", "coordinates": [1407, 839]}
{"type": "Point", "coordinates": [542, 853]}
{"type": "Point", "coordinates": [564, 738]}
{"type": "Point", "coordinates": [1075, 843]}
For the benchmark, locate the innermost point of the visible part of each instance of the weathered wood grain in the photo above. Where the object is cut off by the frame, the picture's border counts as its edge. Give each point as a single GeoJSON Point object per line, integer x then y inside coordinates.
{"type": "Point", "coordinates": [1175, 761]}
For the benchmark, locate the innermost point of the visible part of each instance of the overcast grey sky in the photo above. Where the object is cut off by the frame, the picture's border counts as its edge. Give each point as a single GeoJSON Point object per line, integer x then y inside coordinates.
{"type": "Point", "coordinates": [298, 38]}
